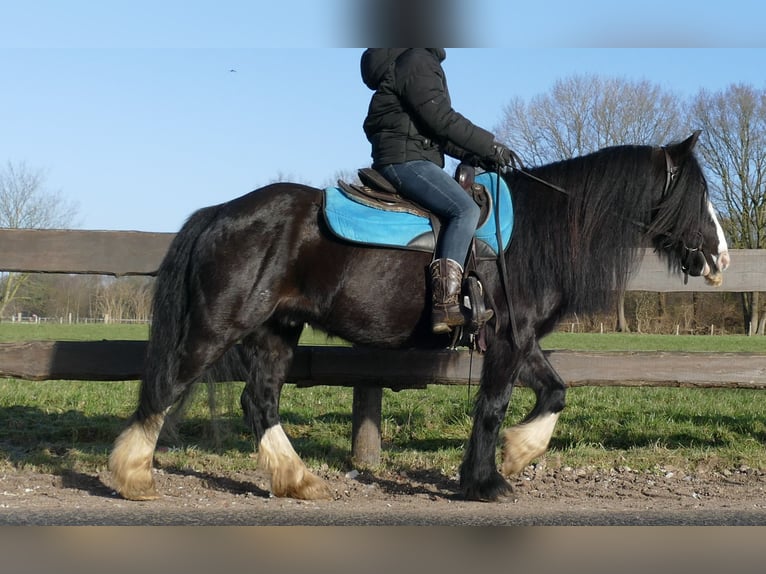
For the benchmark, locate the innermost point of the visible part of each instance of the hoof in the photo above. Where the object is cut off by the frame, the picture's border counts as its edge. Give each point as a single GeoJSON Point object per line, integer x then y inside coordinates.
{"type": "Point", "coordinates": [289, 476]}
{"type": "Point", "coordinates": [133, 483]}
{"type": "Point", "coordinates": [308, 487]}
{"type": "Point", "coordinates": [130, 462]}
{"type": "Point", "coordinates": [139, 495]}
{"type": "Point", "coordinates": [492, 489]}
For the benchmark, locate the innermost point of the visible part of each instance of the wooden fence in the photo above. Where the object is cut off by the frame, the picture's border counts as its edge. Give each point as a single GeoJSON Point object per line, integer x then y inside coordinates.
{"type": "Point", "coordinates": [368, 371]}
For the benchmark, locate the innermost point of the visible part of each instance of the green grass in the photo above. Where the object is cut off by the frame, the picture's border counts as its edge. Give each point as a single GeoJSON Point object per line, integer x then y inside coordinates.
{"type": "Point", "coordinates": [638, 342]}
{"type": "Point", "coordinates": [10, 332]}
{"type": "Point", "coordinates": [60, 426]}
{"type": "Point", "coordinates": [574, 341]}
{"type": "Point", "coordinates": [646, 427]}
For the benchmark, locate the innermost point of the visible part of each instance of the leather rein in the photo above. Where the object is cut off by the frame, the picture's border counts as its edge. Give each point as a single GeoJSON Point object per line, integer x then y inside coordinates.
{"type": "Point", "coordinates": [671, 173]}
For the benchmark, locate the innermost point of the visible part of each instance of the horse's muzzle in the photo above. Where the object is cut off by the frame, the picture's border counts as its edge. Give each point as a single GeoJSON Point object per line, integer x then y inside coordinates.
{"type": "Point", "coordinates": [713, 274]}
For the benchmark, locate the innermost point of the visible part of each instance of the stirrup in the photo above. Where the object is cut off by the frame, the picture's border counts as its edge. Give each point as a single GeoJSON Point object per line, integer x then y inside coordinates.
{"type": "Point", "coordinates": [473, 303]}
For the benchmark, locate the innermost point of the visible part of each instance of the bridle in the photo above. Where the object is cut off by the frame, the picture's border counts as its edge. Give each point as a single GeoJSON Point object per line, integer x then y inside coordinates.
{"type": "Point", "coordinates": [692, 260]}
{"type": "Point", "coordinates": [671, 171]}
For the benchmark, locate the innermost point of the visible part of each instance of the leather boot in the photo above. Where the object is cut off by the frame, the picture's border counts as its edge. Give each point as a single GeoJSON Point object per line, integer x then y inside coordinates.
{"type": "Point", "coordinates": [446, 281]}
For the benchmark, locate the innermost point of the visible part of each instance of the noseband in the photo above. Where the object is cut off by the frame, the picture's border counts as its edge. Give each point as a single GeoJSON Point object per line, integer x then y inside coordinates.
{"type": "Point", "coordinates": [692, 261]}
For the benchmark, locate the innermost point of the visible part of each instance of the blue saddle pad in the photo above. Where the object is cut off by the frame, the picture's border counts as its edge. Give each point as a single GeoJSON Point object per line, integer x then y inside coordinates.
{"type": "Point", "coordinates": [360, 223]}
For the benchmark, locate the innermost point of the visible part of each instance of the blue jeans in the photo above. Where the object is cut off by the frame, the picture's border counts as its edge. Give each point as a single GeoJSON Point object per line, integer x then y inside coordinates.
{"type": "Point", "coordinates": [431, 187]}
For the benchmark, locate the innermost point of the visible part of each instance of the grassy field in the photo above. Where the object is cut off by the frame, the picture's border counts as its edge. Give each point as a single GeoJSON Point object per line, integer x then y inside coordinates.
{"type": "Point", "coordinates": [56, 426]}
{"type": "Point", "coordinates": [71, 332]}
{"type": "Point", "coordinates": [572, 341]}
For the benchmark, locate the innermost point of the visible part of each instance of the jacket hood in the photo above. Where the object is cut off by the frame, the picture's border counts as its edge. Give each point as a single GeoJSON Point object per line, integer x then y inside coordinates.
{"type": "Point", "coordinates": [440, 53]}
{"type": "Point", "coordinates": [375, 63]}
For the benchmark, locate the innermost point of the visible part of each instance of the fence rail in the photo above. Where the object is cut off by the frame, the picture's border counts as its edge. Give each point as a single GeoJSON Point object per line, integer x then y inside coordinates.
{"type": "Point", "coordinates": [405, 369]}
{"type": "Point", "coordinates": [368, 371]}
{"type": "Point", "coordinates": [120, 253]}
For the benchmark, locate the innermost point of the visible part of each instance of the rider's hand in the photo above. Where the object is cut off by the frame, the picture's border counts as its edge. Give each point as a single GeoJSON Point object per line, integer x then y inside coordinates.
{"type": "Point", "coordinates": [501, 155]}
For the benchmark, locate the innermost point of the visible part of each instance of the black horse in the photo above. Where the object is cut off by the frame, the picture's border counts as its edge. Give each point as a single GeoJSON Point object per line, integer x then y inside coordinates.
{"type": "Point", "coordinates": [256, 269]}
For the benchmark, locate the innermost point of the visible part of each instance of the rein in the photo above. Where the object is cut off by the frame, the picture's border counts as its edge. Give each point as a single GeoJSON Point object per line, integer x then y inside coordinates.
{"type": "Point", "coordinates": [690, 258]}
{"type": "Point", "coordinates": [501, 257]}
{"type": "Point", "coordinates": [671, 172]}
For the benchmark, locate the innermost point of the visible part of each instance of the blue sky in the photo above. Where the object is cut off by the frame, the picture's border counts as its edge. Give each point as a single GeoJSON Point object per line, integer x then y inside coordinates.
{"type": "Point", "coordinates": [131, 109]}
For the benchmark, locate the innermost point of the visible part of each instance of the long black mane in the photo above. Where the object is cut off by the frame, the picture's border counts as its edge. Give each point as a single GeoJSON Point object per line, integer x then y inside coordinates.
{"type": "Point", "coordinates": [584, 243]}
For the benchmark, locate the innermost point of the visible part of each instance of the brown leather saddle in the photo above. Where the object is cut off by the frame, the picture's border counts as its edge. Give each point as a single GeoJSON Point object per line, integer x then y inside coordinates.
{"type": "Point", "coordinates": [377, 192]}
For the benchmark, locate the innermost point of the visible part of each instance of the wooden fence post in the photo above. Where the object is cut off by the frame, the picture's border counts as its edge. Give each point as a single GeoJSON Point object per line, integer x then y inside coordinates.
{"type": "Point", "coordinates": [365, 425]}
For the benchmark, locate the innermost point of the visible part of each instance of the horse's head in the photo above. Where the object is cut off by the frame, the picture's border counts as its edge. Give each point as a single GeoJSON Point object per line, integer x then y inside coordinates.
{"type": "Point", "coordinates": [685, 227]}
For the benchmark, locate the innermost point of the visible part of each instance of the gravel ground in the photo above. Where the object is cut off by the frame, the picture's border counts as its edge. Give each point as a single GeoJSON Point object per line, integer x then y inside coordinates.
{"type": "Point", "coordinates": [541, 494]}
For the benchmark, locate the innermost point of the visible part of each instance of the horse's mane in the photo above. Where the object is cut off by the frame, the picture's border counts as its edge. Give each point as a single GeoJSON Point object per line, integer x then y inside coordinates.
{"type": "Point", "coordinates": [584, 242]}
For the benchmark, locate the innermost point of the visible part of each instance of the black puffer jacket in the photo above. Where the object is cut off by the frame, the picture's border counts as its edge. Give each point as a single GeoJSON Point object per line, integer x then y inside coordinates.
{"type": "Point", "coordinates": [410, 115]}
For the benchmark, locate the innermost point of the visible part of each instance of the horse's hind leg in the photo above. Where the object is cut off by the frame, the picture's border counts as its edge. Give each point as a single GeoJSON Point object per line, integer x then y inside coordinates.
{"type": "Point", "coordinates": [268, 353]}
{"type": "Point", "coordinates": [130, 462]}
{"type": "Point", "coordinates": [529, 439]}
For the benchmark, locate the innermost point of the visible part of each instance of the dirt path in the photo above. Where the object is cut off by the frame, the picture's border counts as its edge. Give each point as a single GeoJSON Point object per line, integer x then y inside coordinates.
{"type": "Point", "coordinates": [541, 495]}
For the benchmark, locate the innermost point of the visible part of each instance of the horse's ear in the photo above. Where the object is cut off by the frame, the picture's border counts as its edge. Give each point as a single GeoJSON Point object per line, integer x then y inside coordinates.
{"type": "Point", "coordinates": [682, 149]}
{"type": "Point", "coordinates": [691, 141]}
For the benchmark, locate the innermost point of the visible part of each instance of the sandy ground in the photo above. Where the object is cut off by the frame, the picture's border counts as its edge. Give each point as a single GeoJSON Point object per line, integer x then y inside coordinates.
{"type": "Point", "coordinates": [541, 494]}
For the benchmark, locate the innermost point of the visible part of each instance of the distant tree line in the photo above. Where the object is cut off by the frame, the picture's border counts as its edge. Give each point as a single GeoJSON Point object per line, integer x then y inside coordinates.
{"type": "Point", "coordinates": [684, 313]}
{"type": "Point", "coordinates": [77, 298]}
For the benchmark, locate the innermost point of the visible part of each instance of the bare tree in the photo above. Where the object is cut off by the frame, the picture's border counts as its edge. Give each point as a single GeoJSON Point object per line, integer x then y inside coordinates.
{"type": "Point", "coordinates": [734, 149]}
{"type": "Point", "coordinates": [125, 298]}
{"type": "Point", "coordinates": [69, 296]}
{"type": "Point", "coordinates": [142, 298]}
{"type": "Point", "coordinates": [584, 113]}
{"type": "Point", "coordinates": [111, 298]}
{"type": "Point", "coordinates": [26, 203]}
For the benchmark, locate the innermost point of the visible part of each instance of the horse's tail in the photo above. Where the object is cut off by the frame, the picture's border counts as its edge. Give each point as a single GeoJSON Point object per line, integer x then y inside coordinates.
{"type": "Point", "coordinates": [170, 317]}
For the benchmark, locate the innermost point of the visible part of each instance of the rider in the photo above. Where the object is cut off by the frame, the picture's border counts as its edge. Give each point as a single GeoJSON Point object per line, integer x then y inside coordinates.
{"type": "Point", "coordinates": [411, 125]}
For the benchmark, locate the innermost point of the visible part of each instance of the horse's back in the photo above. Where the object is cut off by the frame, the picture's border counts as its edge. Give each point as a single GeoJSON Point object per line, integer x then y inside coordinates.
{"type": "Point", "coordinates": [257, 218]}
{"type": "Point", "coordinates": [275, 202]}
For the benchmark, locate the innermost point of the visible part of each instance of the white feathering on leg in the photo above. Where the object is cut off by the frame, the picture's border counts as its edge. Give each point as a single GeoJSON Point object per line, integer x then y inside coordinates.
{"type": "Point", "coordinates": [289, 476]}
{"type": "Point", "coordinates": [526, 441]}
{"type": "Point", "coordinates": [130, 461]}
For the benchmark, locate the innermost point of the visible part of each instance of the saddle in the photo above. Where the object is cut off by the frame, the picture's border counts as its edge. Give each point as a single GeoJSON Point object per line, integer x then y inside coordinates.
{"type": "Point", "coordinates": [377, 192]}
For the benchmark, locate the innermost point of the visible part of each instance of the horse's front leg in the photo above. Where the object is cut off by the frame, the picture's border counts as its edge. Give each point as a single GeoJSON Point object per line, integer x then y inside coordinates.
{"type": "Point", "coordinates": [529, 439]}
{"type": "Point", "coordinates": [268, 356]}
{"type": "Point", "coordinates": [479, 477]}
{"type": "Point", "coordinates": [289, 476]}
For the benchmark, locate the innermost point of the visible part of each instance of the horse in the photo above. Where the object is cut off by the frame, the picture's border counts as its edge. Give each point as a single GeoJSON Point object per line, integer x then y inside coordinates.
{"type": "Point", "coordinates": [249, 273]}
